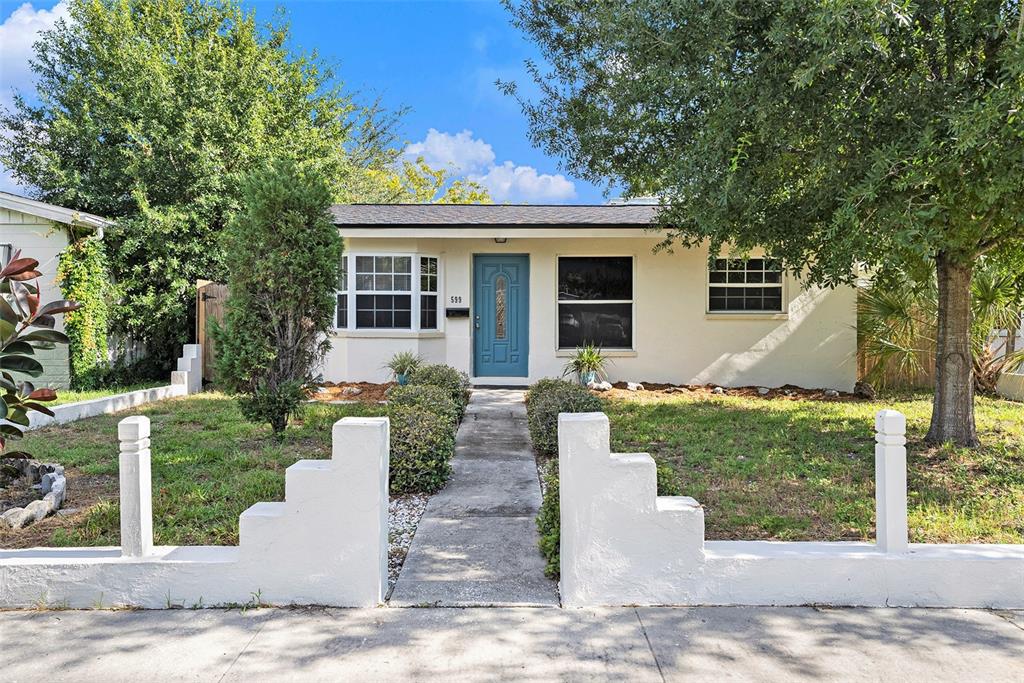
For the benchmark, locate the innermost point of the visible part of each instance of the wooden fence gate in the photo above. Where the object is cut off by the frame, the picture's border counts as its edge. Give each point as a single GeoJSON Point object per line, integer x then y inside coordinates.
{"type": "Point", "coordinates": [210, 298]}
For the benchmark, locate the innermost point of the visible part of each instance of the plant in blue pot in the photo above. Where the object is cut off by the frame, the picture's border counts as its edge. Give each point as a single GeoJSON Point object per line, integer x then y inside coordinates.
{"type": "Point", "coordinates": [587, 363]}
{"type": "Point", "coordinates": [403, 364]}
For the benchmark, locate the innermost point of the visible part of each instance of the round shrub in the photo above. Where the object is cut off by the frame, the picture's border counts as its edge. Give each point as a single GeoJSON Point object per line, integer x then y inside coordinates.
{"type": "Point", "coordinates": [454, 382]}
{"type": "Point", "coordinates": [426, 397]}
{"type": "Point", "coordinates": [545, 400]}
{"type": "Point", "coordinates": [422, 446]}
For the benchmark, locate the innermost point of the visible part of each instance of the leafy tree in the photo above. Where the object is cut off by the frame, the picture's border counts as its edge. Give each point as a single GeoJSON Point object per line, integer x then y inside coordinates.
{"type": "Point", "coordinates": [888, 135]}
{"type": "Point", "coordinates": [150, 112]}
{"type": "Point", "coordinates": [415, 182]}
{"type": "Point", "coordinates": [283, 256]}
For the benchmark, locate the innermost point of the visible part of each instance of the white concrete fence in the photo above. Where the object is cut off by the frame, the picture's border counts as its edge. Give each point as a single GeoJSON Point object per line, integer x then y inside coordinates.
{"type": "Point", "coordinates": [326, 543]}
{"type": "Point", "coordinates": [186, 380]}
{"type": "Point", "coordinates": [622, 544]}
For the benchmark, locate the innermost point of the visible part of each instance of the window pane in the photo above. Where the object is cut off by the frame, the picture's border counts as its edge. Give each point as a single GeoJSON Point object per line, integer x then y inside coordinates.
{"type": "Point", "coordinates": [383, 311]}
{"type": "Point", "coordinates": [364, 282]}
{"type": "Point", "coordinates": [341, 322]}
{"type": "Point", "coordinates": [428, 312]}
{"type": "Point", "coordinates": [715, 276]}
{"type": "Point", "coordinates": [609, 326]}
{"type": "Point", "coordinates": [403, 283]}
{"type": "Point", "coordinates": [736, 276]}
{"type": "Point", "coordinates": [755, 264]}
{"type": "Point", "coordinates": [773, 277]}
{"type": "Point", "coordinates": [383, 283]}
{"type": "Point", "coordinates": [382, 264]}
{"type": "Point", "coordinates": [343, 274]}
{"type": "Point", "coordinates": [720, 264]}
{"type": "Point", "coordinates": [500, 286]}
{"type": "Point", "coordinates": [595, 278]}
{"type": "Point", "coordinates": [403, 264]}
{"type": "Point", "coordinates": [364, 264]}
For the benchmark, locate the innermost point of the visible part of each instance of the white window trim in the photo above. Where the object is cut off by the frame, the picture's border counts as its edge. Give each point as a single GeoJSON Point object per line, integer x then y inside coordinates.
{"type": "Point", "coordinates": [709, 314]}
{"type": "Point", "coordinates": [414, 330]}
{"type": "Point", "coordinates": [620, 351]}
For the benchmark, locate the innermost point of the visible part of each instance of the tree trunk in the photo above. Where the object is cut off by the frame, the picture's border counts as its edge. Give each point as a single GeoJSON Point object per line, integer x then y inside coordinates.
{"type": "Point", "coordinates": [953, 405]}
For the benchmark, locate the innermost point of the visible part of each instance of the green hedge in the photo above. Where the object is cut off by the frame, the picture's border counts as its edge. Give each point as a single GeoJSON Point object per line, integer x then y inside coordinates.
{"type": "Point", "coordinates": [422, 446]}
{"type": "Point", "coordinates": [545, 400]}
{"type": "Point", "coordinates": [82, 273]}
{"type": "Point", "coordinates": [427, 397]}
{"type": "Point", "coordinates": [454, 382]}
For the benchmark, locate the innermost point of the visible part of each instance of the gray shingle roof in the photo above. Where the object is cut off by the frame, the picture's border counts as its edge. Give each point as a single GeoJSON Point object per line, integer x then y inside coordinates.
{"type": "Point", "coordinates": [532, 215]}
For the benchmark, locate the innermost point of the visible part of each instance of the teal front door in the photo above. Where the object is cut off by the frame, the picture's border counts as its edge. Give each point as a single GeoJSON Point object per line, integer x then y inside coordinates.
{"type": "Point", "coordinates": [501, 303]}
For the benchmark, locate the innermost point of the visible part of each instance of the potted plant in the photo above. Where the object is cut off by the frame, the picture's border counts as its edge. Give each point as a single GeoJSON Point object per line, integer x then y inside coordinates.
{"type": "Point", "coordinates": [403, 364]}
{"type": "Point", "coordinates": [587, 363]}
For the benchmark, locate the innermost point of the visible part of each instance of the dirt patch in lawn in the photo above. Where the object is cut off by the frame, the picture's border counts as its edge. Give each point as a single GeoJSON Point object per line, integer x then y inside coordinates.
{"type": "Point", "coordinates": [788, 392]}
{"type": "Point", "coordinates": [366, 392]}
{"type": "Point", "coordinates": [84, 491]}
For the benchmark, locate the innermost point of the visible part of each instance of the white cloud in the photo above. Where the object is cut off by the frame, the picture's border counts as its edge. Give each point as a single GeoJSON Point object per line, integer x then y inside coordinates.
{"type": "Point", "coordinates": [17, 33]}
{"type": "Point", "coordinates": [475, 158]}
{"type": "Point", "coordinates": [509, 182]}
{"type": "Point", "coordinates": [461, 152]}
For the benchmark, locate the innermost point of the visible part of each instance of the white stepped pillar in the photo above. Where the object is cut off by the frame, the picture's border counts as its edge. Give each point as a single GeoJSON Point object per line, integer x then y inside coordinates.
{"type": "Point", "coordinates": [136, 487]}
{"type": "Point", "coordinates": [891, 481]}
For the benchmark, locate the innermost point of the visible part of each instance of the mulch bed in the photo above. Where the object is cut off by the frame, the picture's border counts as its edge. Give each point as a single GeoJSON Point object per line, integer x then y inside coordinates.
{"type": "Point", "coordinates": [84, 491]}
{"type": "Point", "coordinates": [788, 392]}
{"type": "Point", "coordinates": [368, 392]}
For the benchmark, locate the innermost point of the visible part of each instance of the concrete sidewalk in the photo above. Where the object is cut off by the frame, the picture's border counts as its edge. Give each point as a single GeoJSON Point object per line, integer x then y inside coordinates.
{"type": "Point", "coordinates": [521, 644]}
{"type": "Point", "coordinates": [476, 544]}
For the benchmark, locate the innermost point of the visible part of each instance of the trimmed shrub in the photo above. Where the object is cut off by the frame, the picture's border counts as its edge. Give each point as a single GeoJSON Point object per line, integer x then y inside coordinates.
{"type": "Point", "coordinates": [545, 400]}
{"type": "Point", "coordinates": [426, 397]}
{"type": "Point", "coordinates": [452, 381]}
{"type": "Point", "coordinates": [422, 446]}
{"type": "Point", "coordinates": [549, 517]}
{"type": "Point", "coordinates": [549, 520]}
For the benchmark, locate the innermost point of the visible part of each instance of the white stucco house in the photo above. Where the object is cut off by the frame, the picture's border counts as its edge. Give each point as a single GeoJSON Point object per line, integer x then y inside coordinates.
{"type": "Point", "coordinates": [42, 231]}
{"type": "Point", "coordinates": [506, 293]}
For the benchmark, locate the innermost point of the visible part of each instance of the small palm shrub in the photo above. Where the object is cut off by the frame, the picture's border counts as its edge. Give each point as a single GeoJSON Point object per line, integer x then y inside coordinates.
{"type": "Point", "coordinates": [403, 364]}
{"type": "Point", "coordinates": [545, 400]}
{"type": "Point", "coordinates": [426, 397]}
{"type": "Point", "coordinates": [422, 446]}
{"type": "Point", "coordinates": [588, 364]}
{"type": "Point", "coordinates": [452, 381]}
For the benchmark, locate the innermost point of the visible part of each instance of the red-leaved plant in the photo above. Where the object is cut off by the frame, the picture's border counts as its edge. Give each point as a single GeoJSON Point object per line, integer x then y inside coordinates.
{"type": "Point", "coordinates": [25, 327]}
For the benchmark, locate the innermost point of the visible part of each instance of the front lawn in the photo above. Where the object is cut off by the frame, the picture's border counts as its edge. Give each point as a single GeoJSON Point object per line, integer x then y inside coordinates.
{"type": "Point", "coordinates": [804, 469]}
{"type": "Point", "coordinates": [209, 465]}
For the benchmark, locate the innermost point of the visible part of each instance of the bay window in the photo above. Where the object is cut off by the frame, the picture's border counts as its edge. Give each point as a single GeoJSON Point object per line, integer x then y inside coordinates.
{"type": "Point", "coordinates": [595, 301]}
{"type": "Point", "coordinates": [387, 292]}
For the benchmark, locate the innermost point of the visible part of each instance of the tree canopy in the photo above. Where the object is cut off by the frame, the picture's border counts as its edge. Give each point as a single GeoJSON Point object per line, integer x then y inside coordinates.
{"type": "Point", "coordinates": [836, 135]}
{"type": "Point", "coordinates": [151, 111]}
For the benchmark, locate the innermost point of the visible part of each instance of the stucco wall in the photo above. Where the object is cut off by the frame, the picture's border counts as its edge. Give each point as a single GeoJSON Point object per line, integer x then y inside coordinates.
{"type": "Point", "coordinates": [812, 345]}
{"type": "Point", "coordinates": [43, 240]}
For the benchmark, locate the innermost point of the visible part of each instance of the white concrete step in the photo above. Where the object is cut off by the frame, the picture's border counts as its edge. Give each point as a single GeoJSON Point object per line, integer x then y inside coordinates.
{"type": "Point", "coordinates": [259, 524]}
{"type": "Point", "coordinates": [307, 479]}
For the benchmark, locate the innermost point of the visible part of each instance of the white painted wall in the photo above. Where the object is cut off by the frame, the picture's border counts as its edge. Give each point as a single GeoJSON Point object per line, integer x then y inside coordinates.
{"type": "Point", "coordinates": [326, 543]}
{"type": "Point", "coordinates": [813, 345]}
{"type": "Point", "coordinates": [42, 240]}
{"type": "Point", "coordinates": [623, 545]}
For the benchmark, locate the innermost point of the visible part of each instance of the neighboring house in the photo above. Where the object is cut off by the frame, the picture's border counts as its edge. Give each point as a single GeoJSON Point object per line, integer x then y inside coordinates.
{"type": "Point", "coordinates": [41, 231]}
{"type": "Point", "coordinates": [507, 293]}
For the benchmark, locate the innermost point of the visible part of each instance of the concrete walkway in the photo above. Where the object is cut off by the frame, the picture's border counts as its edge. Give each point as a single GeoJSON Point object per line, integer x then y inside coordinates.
{"type": "Point", "coordinates": [514, 644]}
{"type": "Point", "coordinates": [476, 544]}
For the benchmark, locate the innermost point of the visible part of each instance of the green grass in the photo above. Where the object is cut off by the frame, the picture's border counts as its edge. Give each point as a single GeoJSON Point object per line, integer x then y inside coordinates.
{"type": "Point", "coordinates": [804, 470]}
{"type": "Point", "coordinates": [209, 465]}
{"type": "Point", "coordinates": [68, 396]}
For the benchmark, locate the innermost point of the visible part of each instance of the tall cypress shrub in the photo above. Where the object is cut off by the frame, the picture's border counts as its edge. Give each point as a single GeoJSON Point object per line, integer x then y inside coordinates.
{"type": "Point", "coordinates": [283, 256]}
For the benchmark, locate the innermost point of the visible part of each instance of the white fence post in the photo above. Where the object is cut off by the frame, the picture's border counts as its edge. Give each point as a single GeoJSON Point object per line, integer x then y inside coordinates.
{"type": "Point", "coordinates": [136, 487]}
{"type": "Point", "coordinates": [891, 481]}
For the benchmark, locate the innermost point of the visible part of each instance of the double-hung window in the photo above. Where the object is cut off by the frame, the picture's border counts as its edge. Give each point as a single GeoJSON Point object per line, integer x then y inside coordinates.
{"type": "Point", "coordinates": [745, 285]}
{"type": "Point", "coordinates": [387, 292]}
{"type": "Point", "coordinates": [595, 301]}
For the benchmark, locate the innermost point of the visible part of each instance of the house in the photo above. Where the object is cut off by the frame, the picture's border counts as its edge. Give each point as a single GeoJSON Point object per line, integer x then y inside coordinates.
{"type": "Point", "coordinates": [42, 231]}
{"type": "Point", "coordinates": [506, 293]}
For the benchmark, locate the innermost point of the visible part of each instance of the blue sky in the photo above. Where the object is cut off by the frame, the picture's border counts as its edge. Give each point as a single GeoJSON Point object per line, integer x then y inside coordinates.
{"type": "Point", "coordinates": [440, 59]}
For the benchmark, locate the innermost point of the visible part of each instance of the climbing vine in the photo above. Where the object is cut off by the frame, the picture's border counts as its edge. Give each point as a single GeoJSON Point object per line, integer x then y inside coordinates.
{"type": "Point", "coordinates": [82, 274]}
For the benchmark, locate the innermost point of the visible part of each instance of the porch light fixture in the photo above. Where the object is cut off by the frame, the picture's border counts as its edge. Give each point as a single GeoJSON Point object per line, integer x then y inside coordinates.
{"type": "Point", "coordinates": [500, 240]}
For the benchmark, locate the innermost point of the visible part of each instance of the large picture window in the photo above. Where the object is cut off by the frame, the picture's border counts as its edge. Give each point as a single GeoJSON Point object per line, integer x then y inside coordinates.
{"type": "Point", "coordinates": [745, 285]}
{"type": "Point", "coordinates": [595, 301]}
{"type": "Point", "coordinates": [387, 291]}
